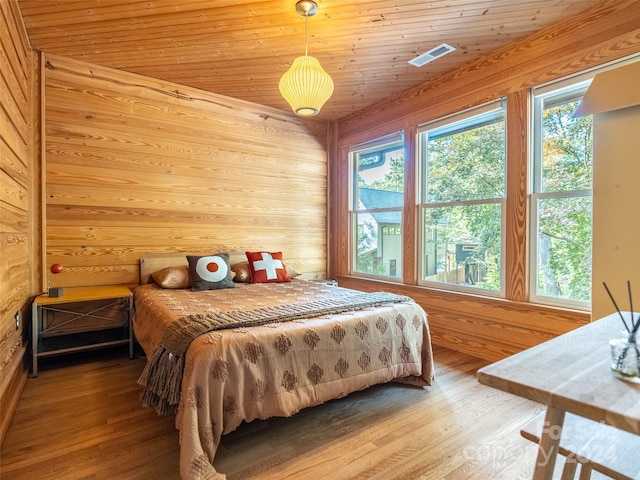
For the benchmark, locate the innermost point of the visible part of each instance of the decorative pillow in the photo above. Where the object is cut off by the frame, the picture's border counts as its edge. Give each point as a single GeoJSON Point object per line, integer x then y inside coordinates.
{"type": "Point", "coordinates": [242, 271]}
{"type": "Point", "coordinates": [292, 272]}
{"type": "Point", "coordinates": [210, 272]}
{"type": "Point", "coordinates": [267, 267]}
{"type": "Point", "coordinates": [172, 277]}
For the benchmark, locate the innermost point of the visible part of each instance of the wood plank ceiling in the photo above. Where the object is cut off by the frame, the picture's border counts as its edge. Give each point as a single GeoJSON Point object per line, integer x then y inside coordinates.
{"type": "Point", "coordinates": [241, 48]}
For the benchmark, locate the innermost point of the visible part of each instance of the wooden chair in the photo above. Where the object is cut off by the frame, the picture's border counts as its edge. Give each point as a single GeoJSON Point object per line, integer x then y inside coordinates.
{"type": "Point", "coordinates": [595, 446]}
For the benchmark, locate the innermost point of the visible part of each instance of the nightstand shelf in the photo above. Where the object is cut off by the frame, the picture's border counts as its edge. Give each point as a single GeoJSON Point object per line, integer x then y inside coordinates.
{"type": "Point", "coordinates": [60, 339]}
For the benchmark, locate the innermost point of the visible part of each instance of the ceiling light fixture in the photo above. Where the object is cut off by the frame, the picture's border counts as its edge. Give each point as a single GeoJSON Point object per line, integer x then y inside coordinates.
{"type": "Point", "coordinates": [306, 86]}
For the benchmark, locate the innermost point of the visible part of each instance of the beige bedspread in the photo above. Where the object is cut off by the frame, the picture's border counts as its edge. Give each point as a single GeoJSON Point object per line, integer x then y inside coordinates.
{"type": "Point", "coordinates": [243, 374]}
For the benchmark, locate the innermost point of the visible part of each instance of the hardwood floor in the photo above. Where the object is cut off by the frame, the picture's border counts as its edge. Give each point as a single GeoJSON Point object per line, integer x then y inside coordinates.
{"type": "Point", "coordinates": [83, 420]}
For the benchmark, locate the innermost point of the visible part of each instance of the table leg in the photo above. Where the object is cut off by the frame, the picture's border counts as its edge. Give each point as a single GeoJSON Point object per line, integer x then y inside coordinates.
{"type": "Point", "coordinates": [130, 326]}
{"type": "Point", "coordinates": [569, 470]}
{"type": "Point", "coordinates": [548, 446]}
{"type": "Point", "coordinates": [35, 329]}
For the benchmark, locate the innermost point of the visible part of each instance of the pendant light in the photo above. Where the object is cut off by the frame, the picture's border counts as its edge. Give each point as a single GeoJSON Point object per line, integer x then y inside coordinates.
{"type": "Point", "coordinates": [306, 86]}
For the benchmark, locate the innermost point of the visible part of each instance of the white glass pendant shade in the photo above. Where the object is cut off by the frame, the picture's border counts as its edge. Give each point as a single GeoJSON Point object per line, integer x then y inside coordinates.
{"type": "Point", "coordinates": [306, 86]}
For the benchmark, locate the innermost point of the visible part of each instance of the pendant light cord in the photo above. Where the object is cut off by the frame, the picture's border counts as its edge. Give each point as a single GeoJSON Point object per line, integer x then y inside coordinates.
{"type": "Point", "coordinates": [306, 35]}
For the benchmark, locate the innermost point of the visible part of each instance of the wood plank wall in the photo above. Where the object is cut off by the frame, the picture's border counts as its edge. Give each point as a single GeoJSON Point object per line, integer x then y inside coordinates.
{"type": "Point", "coordinates": [483, 327]}
{"type": "Point", "coordinates": [135, 165]}
{"type": "Point", "coordinates": [19, 199]}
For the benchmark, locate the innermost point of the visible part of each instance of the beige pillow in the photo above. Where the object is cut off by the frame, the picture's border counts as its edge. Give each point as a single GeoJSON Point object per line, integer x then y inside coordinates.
{"type": "Point", "coordinates": [243, 274]}
{"type": "Point", "coordinates": [172, 277]}
{"type": "Point", "coordinates": [292, 271]}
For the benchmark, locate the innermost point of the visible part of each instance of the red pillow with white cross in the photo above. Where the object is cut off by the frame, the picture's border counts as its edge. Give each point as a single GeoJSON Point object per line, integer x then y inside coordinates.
{"type": "Point", "coordinates": [267, 267]}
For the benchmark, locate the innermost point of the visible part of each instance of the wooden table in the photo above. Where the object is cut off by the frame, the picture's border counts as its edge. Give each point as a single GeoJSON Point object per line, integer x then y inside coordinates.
{"type": "Point", "coordinates": [119, 334]}
{"type": "Point", "coordinates": [570, 373]}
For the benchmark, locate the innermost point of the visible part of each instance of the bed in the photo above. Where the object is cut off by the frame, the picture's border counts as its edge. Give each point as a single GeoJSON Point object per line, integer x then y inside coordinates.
{"type": "Point", "coordinates": [282, 347]}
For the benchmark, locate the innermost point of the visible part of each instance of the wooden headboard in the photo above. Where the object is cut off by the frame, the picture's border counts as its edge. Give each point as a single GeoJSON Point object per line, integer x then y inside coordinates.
{"type": "Point", "coordinates": [157, 261]}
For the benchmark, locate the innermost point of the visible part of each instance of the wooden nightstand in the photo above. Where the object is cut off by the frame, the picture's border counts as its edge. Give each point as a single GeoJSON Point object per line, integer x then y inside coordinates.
{"type": "Point", "coordinates": [58, 338]}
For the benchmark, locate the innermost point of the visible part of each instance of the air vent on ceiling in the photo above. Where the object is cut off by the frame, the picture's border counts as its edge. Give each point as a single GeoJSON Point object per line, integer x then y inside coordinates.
{"type": "Point", "coordinates": [431, 55]}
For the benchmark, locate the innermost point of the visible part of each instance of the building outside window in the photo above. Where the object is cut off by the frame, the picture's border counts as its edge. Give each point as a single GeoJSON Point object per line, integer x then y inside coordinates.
{"type": "Point", "coordinates": [561, 198]}
{"type": "Point", "coordinates": [462, 199]}
{"type": "Point", "coordinates": [377, 204]}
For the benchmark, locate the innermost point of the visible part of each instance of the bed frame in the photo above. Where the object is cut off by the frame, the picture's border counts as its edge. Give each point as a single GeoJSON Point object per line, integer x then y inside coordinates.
{"type": "Point", "coordinates": [152, 263]}
{"type": "Point", "coordinates": [272, 370]}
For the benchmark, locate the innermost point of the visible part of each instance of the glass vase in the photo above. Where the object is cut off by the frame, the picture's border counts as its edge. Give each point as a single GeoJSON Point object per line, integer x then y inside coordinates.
{"type": "Point", "coordinates": [625, 358]}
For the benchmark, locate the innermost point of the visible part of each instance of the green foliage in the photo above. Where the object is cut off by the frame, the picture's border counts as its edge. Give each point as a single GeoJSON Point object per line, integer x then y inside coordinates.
{"type": "Point", "coordinates": [478, 224]}
{"type": "Point", "coordinates": [565, 228]}
{"type": "Point", "coordinates": [393, 181]}
{"type": "Point", "coordinates": [469, 165]}
{"type": "Point", "coordinates": [564, 248]}
{"type": "Point", "coordinates": [567, 151]}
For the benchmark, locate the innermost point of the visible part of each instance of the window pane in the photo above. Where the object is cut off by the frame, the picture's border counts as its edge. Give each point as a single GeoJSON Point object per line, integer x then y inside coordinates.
{"type": "Point", "coordinates": [466, 165]}
{"type": "Point", "coordinates": [562, 173]}
{"type": "Point", "coordinates": [567, 149]}
{"type": "Point", "coordinates": [379, 243]}
{"type": "Point", "coordinates": [462, 245]}
{"type": "Point", "coordinates": [380, 177]}
{"type": "Point", "coordinates": [564, 248]}
{"type": "Point", "coordinates": [378, 200]}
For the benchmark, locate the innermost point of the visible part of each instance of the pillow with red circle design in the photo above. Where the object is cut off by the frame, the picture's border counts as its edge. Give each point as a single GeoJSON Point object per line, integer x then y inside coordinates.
{"type": "Point", "coordinates": [210, 272]}
{"type": "Point", "coordinates": [267, 267]}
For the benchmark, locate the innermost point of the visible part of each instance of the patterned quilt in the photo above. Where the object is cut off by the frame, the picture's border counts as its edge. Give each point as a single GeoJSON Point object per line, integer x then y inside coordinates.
{"type": "Point", "coordinates": [242, 374]}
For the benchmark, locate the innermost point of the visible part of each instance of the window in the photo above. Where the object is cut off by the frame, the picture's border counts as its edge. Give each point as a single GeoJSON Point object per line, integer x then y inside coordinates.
{"type": "Point", "coordinates": [377, 203]}
{"type": "Point", "coordinates": [561, 199]}
{"type": "Point", "coordinates": [462, 191]}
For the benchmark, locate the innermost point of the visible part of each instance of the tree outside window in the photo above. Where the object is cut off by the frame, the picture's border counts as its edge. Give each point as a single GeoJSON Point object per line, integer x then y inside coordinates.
{"type": "Point", "coordinates": [561, 199]}
{"type": "Point", "coordinates": [463, 168]}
